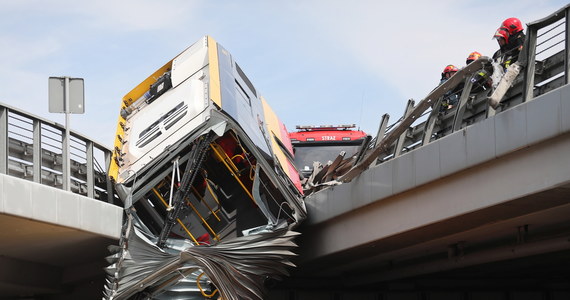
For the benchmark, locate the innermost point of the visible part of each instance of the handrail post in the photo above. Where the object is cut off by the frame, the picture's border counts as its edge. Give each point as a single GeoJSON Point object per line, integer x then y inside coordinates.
{"type": "Point", "coordinates": [458, 118]}
{"type": "Point", "coordinates": [110, 197]}
{"type": "Point", "coordinates": [402, 137]}
{"type": "Point", "coordinates": [37, 151]}
{"type": "Point", "coordinates": [430, 122]}
{"type": "Point", "coordinates": [566, 48]}
{"type": "Point", "coordinates": [3, 140]}
{"type": "Point", "coordinates": [381, 132]}
{"type": "Point", "coordinates": [529, 68]}
{"type": "Point", "coordinates": [90, 170]}
{"type": "Point", "coordinates": [381, 129]}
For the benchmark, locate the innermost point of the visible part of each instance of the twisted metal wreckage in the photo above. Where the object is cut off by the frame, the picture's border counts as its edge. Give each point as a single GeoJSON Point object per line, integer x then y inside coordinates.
{"type": "Point", "coordinates": [205, 170]}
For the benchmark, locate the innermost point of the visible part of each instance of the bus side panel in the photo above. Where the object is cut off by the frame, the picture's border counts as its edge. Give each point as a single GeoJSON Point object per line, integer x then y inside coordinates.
{"type": "Point", "coordinates": [240, 103]}
{"type": "Point", "coordinates": [275, 128]}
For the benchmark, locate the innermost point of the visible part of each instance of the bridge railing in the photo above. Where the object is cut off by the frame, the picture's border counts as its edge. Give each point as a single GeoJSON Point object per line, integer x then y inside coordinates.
{"type": "Point", "coordinates": [32, 149]}
{"type": "Point", "coordinates": [546, 56]}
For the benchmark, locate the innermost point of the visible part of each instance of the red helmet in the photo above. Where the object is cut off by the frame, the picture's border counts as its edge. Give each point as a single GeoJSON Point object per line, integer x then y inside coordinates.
{"type": "Point", "coordinates": [473, 56]}
{"type": "Point", "coordinates": [502, 32]}
{"type": "Point", "coordinates": [513, 25]}
{"type": "Point", "coordinates": [449, 68]}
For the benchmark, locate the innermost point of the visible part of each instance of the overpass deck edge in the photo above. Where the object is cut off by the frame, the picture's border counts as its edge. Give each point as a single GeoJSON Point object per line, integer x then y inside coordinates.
{"type": "Point", "coordinates": [30, 200]}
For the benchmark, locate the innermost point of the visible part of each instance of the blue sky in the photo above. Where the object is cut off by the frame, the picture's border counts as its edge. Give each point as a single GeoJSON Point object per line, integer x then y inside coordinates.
{"type": "Point", "coordinates": [315, 61]}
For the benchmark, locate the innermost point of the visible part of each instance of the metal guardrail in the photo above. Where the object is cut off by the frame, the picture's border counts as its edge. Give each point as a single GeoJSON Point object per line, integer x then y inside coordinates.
{"type": "Point", "coordinates": [32, 149]}
{"type": "Point", "coordinates": [547, 56]}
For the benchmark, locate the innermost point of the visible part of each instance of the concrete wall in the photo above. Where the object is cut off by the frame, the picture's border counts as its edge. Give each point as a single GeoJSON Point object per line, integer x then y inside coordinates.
{"type": "Point", "coordinates": [26, 199]}
{"type": "Point", "coordinates": [527, 124]}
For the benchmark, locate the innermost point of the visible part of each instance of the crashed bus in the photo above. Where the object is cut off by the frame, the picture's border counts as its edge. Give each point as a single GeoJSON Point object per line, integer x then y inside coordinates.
{"type": "Point", "coordinates": [205, 170]}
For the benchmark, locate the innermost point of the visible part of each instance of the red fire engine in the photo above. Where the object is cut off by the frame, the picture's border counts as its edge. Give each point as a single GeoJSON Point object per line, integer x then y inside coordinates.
{"type": "Point", "coordinates": [324, 143]}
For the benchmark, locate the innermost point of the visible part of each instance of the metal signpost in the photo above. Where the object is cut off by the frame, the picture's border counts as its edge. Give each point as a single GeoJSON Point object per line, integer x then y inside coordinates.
{"type": "Point", "coordinates": [66, 95]}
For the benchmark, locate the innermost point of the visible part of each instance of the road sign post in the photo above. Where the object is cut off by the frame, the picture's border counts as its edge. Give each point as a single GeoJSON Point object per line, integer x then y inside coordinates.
{"type": "Point", "coordinates": [66, 95]}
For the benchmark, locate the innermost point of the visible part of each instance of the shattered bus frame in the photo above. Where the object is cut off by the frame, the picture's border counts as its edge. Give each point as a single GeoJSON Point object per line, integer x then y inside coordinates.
{"type": "Point", "coordinates": [204, 169]}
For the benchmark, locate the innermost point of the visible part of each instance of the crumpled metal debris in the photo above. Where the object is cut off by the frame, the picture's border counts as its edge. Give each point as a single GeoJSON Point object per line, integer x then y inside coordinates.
{"type": "Point", "coordinates": [236, 267]}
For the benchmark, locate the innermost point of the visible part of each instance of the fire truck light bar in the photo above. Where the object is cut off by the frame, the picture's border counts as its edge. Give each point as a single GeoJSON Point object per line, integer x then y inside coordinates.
{"type": "Point", "coordinates": [309, 127]}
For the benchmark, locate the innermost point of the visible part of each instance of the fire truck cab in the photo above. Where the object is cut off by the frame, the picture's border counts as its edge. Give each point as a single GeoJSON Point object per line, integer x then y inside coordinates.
{"type": "Point", "coordinates": [323, 143]}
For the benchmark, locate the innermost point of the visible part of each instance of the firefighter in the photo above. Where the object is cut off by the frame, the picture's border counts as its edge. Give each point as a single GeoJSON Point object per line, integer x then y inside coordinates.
{"type": "Point", "coordinates": [482, 79]}
{"type": "Point", "coordinates": [473, 56]}
{"type": "Point", "coordinates": [451, 97]}
{"type": "Point", "coordinates": [448, 71]}
{"type": "Point", "coordinates": [510, 37]}
{"type": "Point", "coordinates": [516, 34]}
